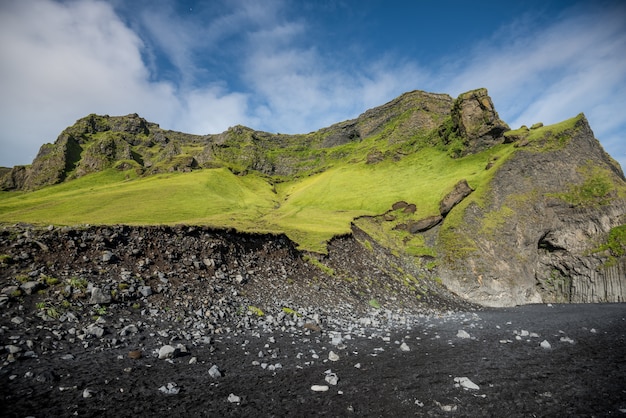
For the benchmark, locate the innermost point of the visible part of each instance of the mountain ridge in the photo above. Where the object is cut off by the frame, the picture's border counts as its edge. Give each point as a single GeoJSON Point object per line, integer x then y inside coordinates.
{"type": "Point", "coordinates": [442, 181]}
{"type": "Point", "coordinates": [133, 142]}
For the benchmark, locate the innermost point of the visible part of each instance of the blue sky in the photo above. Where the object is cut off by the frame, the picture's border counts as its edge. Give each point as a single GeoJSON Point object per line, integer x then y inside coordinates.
{"type": "Point", "coordinates": [294, 66]}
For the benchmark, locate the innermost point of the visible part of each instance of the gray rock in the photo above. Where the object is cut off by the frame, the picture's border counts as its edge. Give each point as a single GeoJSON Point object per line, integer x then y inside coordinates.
{"type": "Point", "coordinates": [31, 287]}
{"type": "Point", "coordinates": [107, 256]}
{"type": "Point", "coordinates": [404, 347]}
{"type": "Point", "coordinates": [332, 379]}
{"type": "Point", "coordinates": [88, 393]}
{"type": "Point", "coordinates": [232, 398]}
{"type": "Point", "coordinates": [129, 330]}
{"type": "Point", "coordinates": [98, 296]}
{"type": "Point", "coordinates": [466, 383]}
{"type": "Point", "coordinates": [463, 334]}
{"type": "Point", "coordinates": [12, 349]}
{"type": "Point", "coordinates": [95, 330]}
{"type": "Point", "coordinates": [17, 320]}
{"type": "Point", "coordinates": [332, 356]}
{"type": "Point", "coordinates": [214, 372]}
{"type": "Point", "coordinates": [167, 351]}
{"type": "Point", "coordinates": [170, 389]}
{"type": "Point", "coordinates": [9, 290]}
{"type": "Point", "coordinates": [145, 291]}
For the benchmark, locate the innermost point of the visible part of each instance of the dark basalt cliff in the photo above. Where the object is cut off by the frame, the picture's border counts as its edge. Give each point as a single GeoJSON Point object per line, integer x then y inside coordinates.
{"type": "Point", "coordinates": [538, 236]}
{"type": "Point", "coordinates": [549, 226]}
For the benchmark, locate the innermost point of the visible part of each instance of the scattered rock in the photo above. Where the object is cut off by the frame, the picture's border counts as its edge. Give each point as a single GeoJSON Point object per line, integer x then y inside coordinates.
{"type": "Point", "coordinates": [332, 356]}
{"type": "Point", "coordinates": [545, 344]}
{"type": "Point", "coordinates": [463, 334]}
{"type": "Point", "coordinates": [446, 408]}
{"type": "Point", "coordinates": [95, 330]}
{"type": "Point", "coordinates": [135, 354]}
{"type": "Point", "coordinates": [12, 349]}
{"type": "Point", "coordinates": [399, 205]}
{"type": "Point", "coordinates": [145, 291]}
{"type": "Point", "coordinates": [424, 224]}
{"type": "Point", "coordinates": [215, 372]}
{"type": "Point", "coordinates": [107, 256]}
{"type": "Point", "coordinates": [460, 191]}
{"type": "Point", "coordinates": [466, 383]}
{"type": "Point", "coordinates": [17, 320]}
{"type": "Point", "coordinates": [31, 287]}
{"type": "Point", "coordinates": [129, 330]}
{"type": "Point", "coordinates": [319, 388]}
{"type": "Point", "coordinates": [404, 347]}
{"type": "Point", "coordinates": [170, 389]}
{"type": "Point", "coordinates": [331, 379]}
{"type": "Point", "coordinates": [167, 351]}
{"type": "Point", "coordinates": [99, 297]}
{"type": "Point", "coordinates": [88, 393]}
{"type": "Point", "coordinates": [232, 398]}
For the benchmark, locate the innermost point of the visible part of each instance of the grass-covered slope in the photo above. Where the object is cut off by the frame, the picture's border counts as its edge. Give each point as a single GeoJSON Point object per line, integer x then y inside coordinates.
{"type": "Point", "coordinates": [310, 210]}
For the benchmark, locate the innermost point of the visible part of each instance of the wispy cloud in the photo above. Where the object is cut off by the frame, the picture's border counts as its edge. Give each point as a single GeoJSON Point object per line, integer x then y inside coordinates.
{"type": "Point", "coordinates": [576, 64]}
{"type": "Point", "coordinates": [63, 60]}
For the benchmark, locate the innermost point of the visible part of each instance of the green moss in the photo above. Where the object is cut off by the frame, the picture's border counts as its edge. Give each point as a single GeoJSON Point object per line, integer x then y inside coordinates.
{"type": "Point", "coordinates": [77, 283]}
{"type": "Point", "coordinates": [615, 245]}
{"type": "Point", "coordinates": [255, 311]}
{"type": "Point", "coordinates": [596, 189]}
{"type": "Point", "coordinates": [317, 263]}
{"type": "Point", "coordinates": [617, 241]}
{"type": "Point", "coordinates": [374, 303]}
{"type": "Point", "coordinates": [291, 312]}
{"type": "Point", "coordinates": [50, 281]}
{"type": "Point", "coordinates": [494, 220]}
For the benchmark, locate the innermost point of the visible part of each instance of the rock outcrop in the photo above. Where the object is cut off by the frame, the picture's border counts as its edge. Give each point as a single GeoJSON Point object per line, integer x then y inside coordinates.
{"type": "Point", "coordinates": [477, 120]}
{"type": "Point", "coordinates": [537, 239]}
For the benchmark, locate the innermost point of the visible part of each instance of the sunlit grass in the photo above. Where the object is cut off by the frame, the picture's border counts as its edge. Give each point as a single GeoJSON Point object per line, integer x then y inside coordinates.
{"type": "Point", "coordinates": [310, 211]}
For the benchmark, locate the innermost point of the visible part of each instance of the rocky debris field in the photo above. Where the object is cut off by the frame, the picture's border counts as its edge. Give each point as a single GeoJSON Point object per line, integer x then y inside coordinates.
{"type": "Point", "coordinates": [123, 321]}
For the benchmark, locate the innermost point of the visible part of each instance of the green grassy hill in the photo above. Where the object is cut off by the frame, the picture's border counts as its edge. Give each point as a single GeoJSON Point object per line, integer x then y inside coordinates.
{"type": "Point", "coordinates": [310, 210]}
{"type": "Point", "coordinates": [124, 170]}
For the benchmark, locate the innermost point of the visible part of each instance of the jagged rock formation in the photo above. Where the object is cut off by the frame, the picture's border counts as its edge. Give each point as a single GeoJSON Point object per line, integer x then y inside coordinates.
{"type": "Point", "coordinates": [97, 142]}
{"type": "Point", "coordinates": [547, 225]}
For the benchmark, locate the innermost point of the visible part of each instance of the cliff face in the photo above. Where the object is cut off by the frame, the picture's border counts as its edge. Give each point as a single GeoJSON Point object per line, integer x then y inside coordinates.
{"type": "Point", "coordinates": [538, 235]}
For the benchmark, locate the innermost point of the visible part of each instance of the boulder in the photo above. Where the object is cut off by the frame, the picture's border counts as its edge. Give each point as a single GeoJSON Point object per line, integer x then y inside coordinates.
{"type": "Point", "coordinates": [460, 191]}
{"type": "Point", "coordinates": [424, 224]}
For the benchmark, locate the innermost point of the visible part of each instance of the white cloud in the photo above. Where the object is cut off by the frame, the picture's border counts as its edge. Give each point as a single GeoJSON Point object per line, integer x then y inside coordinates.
{"type": "Point", "coordinates": [303, 90]}
{"type": "Point", "coordinates": [61, 61]}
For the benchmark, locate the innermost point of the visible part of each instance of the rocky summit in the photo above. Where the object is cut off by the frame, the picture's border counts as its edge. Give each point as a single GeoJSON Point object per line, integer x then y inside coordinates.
{"type": "Point", "coordinates": [368, 268]}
